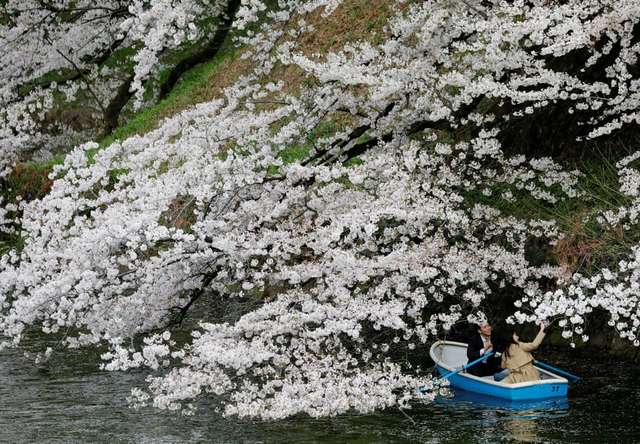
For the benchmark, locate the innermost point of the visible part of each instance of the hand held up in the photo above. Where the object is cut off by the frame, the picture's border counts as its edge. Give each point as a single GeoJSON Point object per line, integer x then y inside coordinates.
{"type": "Point", "coordinates": [543, 325]}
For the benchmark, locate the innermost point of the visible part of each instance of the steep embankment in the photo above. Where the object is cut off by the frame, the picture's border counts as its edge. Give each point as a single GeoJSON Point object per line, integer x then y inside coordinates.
{"type": "Point", "coordinates": [199, 73]}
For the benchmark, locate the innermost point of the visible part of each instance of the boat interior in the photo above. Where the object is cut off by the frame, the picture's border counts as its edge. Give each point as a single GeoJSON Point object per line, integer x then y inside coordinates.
{"type": "Point", "coordinates": [455, 356]}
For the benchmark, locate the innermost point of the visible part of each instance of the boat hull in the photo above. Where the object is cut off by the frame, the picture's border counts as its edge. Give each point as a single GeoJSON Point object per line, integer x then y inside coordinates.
{"type": "Point", "coordinates": [460, 396]}
{"type": "Point", "coordinates": [530, 393]}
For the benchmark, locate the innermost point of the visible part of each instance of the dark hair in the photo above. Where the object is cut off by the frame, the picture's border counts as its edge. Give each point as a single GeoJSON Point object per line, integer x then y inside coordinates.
{"type": "Point", "coordinates": [506, 340]}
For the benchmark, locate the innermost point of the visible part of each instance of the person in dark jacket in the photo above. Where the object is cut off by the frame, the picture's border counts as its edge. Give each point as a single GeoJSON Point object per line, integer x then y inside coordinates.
{"type": "Point", "coordinates": [483, 342]}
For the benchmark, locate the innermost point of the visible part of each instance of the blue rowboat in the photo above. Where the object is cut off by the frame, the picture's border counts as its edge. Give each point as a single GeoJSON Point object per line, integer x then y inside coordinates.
{"type": "Point", "coordinates": [450, 356]}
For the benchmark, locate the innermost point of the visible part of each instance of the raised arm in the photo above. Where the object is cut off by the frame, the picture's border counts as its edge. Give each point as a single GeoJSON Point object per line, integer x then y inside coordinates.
{"type": "Point", "coordinates": [531, 346]}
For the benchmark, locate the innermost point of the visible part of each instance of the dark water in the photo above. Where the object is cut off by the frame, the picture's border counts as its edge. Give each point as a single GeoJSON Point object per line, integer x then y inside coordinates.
{"type": "Point", "coordinates": [72, 402]}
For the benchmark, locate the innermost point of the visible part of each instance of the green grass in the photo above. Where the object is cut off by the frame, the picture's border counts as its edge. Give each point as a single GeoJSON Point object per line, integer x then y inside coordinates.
{"type": "Point", "coordinates": [353, 162]}
{"type": "Point", "coordinates": [184, 94]}
{"type": "Point", "coordinates": [10, 242]}
{"type": "Point", "coordinates": [294, 153]}
{"type": "Point", "coordinates": [53, 76]}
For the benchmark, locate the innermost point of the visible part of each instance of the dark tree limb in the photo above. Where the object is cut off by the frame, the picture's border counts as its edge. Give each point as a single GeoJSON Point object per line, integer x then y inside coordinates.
{"type": "Point", "coordinates": [206, 53]}
{"type": "Point", "coordinates": [113, 110]}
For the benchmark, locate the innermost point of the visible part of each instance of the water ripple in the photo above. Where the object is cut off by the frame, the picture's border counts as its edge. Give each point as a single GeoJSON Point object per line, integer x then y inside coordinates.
{"type": "Point", "coordinates": [76, 403]}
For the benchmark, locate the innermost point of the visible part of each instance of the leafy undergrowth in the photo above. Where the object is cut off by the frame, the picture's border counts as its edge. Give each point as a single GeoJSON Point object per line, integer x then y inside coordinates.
{"type": "Point", "coordinates": [587, 245]}
{"type": "Point", "coordinates": [28, 181]}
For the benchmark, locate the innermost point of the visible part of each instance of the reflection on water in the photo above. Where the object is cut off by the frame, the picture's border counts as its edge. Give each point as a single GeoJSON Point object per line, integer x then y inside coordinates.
{"type": "Point", "coordinates": [522, 430]}
{"type": "Point", "coordinates": [518, 420]}
{"type": "Point", "coordinates": [72, 402]}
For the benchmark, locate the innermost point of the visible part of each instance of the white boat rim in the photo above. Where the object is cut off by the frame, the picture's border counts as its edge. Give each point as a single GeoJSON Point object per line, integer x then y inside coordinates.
{"type": "Point", "coordinates": [551, 378]}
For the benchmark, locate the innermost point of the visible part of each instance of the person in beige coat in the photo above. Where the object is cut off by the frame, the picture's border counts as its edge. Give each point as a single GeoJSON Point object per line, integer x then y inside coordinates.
{"type": "Point", "coordinates": [517, 358]}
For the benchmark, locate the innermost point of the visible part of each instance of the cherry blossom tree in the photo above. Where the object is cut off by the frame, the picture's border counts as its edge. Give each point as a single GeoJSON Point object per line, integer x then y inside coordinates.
{"type": "Point", "coordinates": [304, 285]}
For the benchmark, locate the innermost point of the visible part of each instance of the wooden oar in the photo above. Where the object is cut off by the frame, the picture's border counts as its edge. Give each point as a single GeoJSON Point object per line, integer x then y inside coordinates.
{"type": "Point", "coordinates": [551, 368]}
{"type": "Point", "coordinates": [464, 367]}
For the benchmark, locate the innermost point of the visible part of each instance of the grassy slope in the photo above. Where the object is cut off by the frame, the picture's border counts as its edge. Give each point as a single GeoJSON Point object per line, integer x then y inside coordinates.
{"type": "Point", "coordinates": [352, 21]}
{"type": "Point", "coordinates": [585, 243]}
